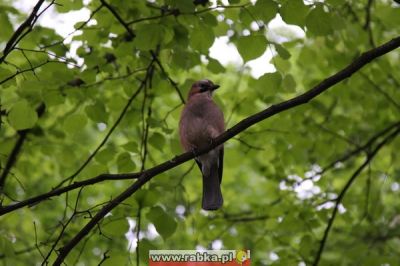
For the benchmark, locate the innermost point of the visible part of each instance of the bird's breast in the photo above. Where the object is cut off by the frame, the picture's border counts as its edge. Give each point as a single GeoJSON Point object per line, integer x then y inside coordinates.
{"type": "Point", "coordinates": [201, 121]}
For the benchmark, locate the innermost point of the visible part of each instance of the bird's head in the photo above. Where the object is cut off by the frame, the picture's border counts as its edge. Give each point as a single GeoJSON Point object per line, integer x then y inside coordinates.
{"type": "Point", "coordinates": [203, 86]}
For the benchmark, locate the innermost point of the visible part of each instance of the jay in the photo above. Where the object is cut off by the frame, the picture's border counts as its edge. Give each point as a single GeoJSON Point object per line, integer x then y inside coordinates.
{"type": "Point", "coordinates": [202, 121]}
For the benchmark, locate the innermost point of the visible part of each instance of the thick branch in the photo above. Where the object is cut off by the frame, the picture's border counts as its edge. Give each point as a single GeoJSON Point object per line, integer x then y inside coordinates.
{"type": "Point", "coordinates": [147, 175]}
{"type": "Point", "coordinates": [339, 199]}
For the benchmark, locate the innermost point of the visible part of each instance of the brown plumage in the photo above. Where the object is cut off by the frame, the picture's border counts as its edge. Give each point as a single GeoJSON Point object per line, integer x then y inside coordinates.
{"type": "Point", "coordinates": [201, 122]}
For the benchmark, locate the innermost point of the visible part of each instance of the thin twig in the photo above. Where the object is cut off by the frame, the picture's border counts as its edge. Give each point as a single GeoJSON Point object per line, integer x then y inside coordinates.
{"type": "Point", "coordinates": [114, 126]}
{"type": "Point", "coordinates": [27, 24]}
{"type": "Point", "coordinates": [12, 158]}
{"type": "Point", "coordinates": [56, 192]}
{"type": "Point", "coordinates": [385, 94]}
{"type": "Point", "coordinates": [363, 148]}
{"type": "Point", "coordinates": [63, 228]}
{"type": "Point", "coordinates": [34, 68]}
{"type": "Point", "coordinates": [77, 29]}
{"type": "Point", "coordinates": [118, 17]}
{"type": "Point", "coordinates": [173, 83]}
{"type": "Point", "coordinates": [367, 24]}
{"type": "Point", "coordinates": [342, 193]}
{"type": "Point", "coordinates": [138, 226]}
{"type": "Point", "coordinates": [176, 12]}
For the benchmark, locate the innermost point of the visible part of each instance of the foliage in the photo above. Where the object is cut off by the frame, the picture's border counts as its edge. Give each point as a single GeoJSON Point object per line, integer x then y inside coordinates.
{"type": "Point", "coordinates": [64, 121]}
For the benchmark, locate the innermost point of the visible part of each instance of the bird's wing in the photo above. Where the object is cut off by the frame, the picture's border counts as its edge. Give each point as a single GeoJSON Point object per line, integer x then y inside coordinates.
{"type": "Point", "coordinates": [220, 164]}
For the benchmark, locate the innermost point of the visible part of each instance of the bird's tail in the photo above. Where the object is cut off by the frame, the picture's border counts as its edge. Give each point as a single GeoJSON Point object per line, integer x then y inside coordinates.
{"type": "Point", "coordinates": [212, 195]}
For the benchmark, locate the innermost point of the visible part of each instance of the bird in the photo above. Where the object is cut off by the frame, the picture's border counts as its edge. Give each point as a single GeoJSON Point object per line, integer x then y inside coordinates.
{"type": "Point", "coordinates": [202, 121]}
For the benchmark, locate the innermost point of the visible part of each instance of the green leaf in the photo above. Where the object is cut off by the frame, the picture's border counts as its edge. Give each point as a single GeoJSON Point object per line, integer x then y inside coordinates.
{"type": "Point", "coordinates": [336, 2]}
{"type": "Point", "coordinates": [270, 81]}
{"type": "Point", "coordinates": [52, 97]}
{"type": "Point", "coordinates": [145, 247]}
{"type": "Point", "coordinates": [75, 123]}
{"type": "Point", "coordinates": [5, 72]}
{"type": "Point", "coordinates": [201, 38]}
{"type": "Point", "coordinates": [117, 228]}
{"type": "Point", "coordinates": [6, 247]}
{"type": "Point", "coordinates": [22, 116]}
{"type": "Point", "coordinates": [288, 83]}
{"type": "Point", "coordinates": [64, 6]}
{"type": "Point", "coordinates": [182, 5]}
{"type": "Point", "coordinates": [6, 27]}
{"type": "Point", "coordinates": [131, 146]}
{"type": "Point", "coordinates": [157, 140]}
{"type": "Point", "coordinates": [318, 22]}
{"type": "Point", "coordinates": [215, 66]}
{"type": "Point", "coordinates": [264, 10]}
{"type": "Point", "coordinates": [251, 47]}
{"type": "Point", "coordinates": [106, 155]}
{"type": "Point", "coordinates": [164, 223]}
{"type": "Point", "coordinates": [282, 51]}
{"type": "Point", "coordinates": [294, 12]}
{"type": "Point", "coordinates": [151, 35]}
{"type": "Point", "coordinates": [146, 197]}
{"type": "Point", "coordinates": [125, 163]}
{"type": "Point", "coordinates": [97, 112]}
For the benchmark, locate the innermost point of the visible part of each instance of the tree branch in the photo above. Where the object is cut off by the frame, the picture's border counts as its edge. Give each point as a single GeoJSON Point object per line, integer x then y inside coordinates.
{"type": "Point", "coordinates": [33, 69]}
{"type": "Point", "coordinates": [76, 29]}
{"type": "Point", "coordinates": [385, 94]}
{"type": "Point", "coordinates": [173, 83]}
{"type": "Point", "coordinates": [12, 158]}
{"type": "Point", "coordinates": [20, 32]}
{"type": "Point", "coordinates": [339, 199]}
{"type": "Point", "coordinates": [367, 24]}
{"type": "Point", "coordinates": [362, 148]}
{"type": "Point", "coordinates": [118, 17]}
{"type": "Point", "coordinates": [114, 126]}
{"type": "Point", "coordinates": [147, 175]}
{"type": "Point", "coordinates": [56, 192]}
{"type": "Point", "coordinates": [176, 12]}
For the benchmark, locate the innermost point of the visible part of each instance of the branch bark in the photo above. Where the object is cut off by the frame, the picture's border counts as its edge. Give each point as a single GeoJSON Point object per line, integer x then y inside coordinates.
{"type": "Point", "coordinates": [147, 175]}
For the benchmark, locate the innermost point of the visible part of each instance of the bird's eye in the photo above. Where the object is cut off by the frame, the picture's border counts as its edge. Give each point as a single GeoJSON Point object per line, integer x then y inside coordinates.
{"type": "Point", "coordinates": [203, 87]}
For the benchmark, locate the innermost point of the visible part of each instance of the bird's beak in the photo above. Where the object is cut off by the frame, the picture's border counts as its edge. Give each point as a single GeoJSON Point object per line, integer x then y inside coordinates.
{"type": "Point", "coordinates": [214, 87]}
